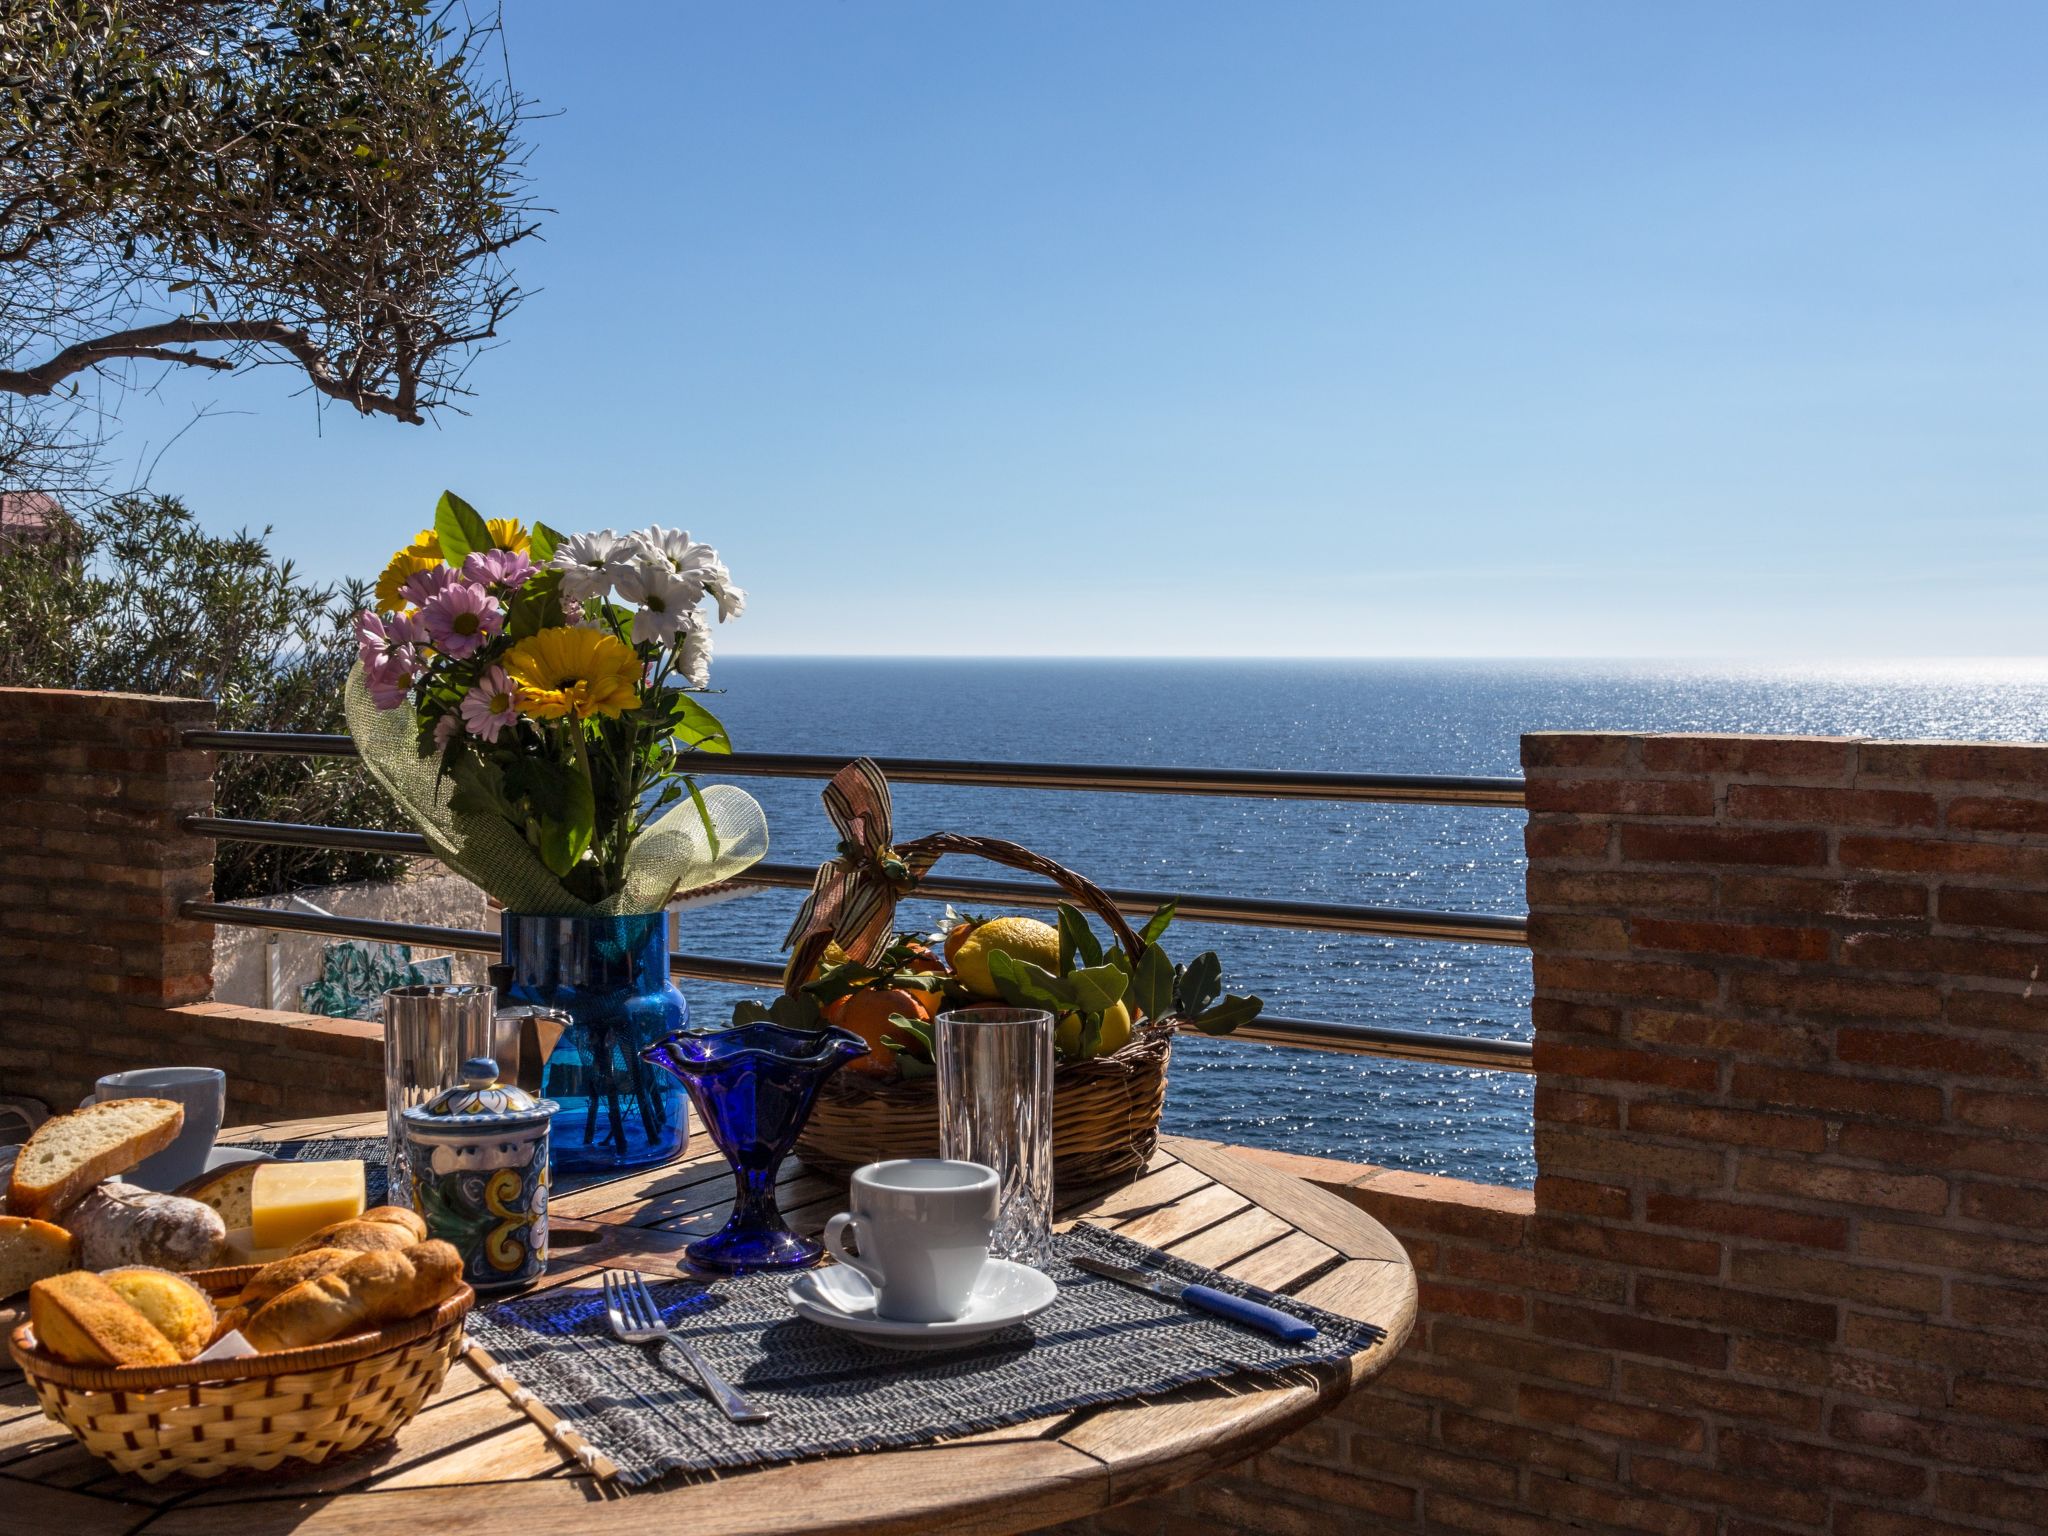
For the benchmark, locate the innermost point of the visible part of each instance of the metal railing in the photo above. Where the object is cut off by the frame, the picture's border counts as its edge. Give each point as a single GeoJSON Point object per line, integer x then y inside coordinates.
{"type": "Point", "coordinates": [1336, 917]}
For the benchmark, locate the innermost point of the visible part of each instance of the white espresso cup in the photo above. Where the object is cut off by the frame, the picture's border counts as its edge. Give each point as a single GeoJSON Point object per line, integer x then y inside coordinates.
{"type": "Point", "coordinates": [204, 1093]}
{"type": "Point", "coordinates": [921, 1226]}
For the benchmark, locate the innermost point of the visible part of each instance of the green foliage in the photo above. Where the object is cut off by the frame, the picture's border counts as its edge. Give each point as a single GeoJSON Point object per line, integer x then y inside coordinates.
{"type": "Point", "coordinates": [139, 598]}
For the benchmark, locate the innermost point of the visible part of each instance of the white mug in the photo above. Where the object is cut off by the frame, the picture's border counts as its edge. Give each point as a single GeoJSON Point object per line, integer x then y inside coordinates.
{"type": "Point", "coordinates": [204, 1093]}
{"type": "Point", "coordinates": [921, 1225]}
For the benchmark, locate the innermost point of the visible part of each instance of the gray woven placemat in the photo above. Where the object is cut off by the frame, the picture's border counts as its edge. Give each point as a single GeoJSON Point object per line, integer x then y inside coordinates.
{"type": "Point", "coordinates": [1101, 1342]}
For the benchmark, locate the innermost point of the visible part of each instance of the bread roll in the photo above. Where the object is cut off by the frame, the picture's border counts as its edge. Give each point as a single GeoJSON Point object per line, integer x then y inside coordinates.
{"type": "Point", "coordinates": [123, 1224]}
{"type": "Point", "coordinates": [381, 1229]}
{"type": "Point", "coordinates": [80, 1318]}
{"type": "Point", "coordinates": [175, 1307]}
{"type": "Point", "coordinates": [370, 1290]}
{"type": "Point", "coordinates": [71, 1153]}
{"type": "Point", "coordinates": [279, 1276]}
{"type": "Point", "coordinates": [32, 1250]}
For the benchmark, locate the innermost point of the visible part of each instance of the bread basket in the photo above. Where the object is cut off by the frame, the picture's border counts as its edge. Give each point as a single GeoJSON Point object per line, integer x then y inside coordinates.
{"type": "Point", "coordinates": [290, 1408]}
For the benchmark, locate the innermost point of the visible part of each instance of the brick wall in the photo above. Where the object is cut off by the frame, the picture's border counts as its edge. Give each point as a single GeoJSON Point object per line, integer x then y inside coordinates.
{"type": "Point", "coordinates": [97, 970]}
{"type": "Point", "coordinates": [1785, 1268]}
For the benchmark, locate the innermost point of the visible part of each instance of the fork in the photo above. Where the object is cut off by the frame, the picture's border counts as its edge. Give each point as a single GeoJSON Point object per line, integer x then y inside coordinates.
{"type": "Point", "coordinates": [636, 1320]}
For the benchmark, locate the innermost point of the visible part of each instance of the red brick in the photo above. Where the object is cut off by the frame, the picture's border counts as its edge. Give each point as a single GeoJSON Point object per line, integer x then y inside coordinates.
{"type": "Point", "coordinates": [1766, 1223]}
{"type": "Point", "coordinates": [1527, 1447]}
{"type": "Point", "coordinates": [1843, 1186]}
{"type": "Point", "coordinates": [1904, 1290]}
{"type": "Point", "coordinates": [1528, 1271]}
{"type": "Point", "coordinates": [1996, 1306]}
{"type": "Point", "coordinates": [1862, 1520]}
{"type": "Point", "coordinates": [1566, 1108]}
{"type": "Point", "coordinates": [1578, 749]}
{"type": "Point", "coordinates": [1650, 844]}
{"type": "Point", "coordinates": [1621, 797]}
{"type": "Point", "coordinates": [1951, 1348]}
{"type": "Point", "coordinates": [1840, 1095]}
{"type": "Point", "coordinates": [1468, 1301]}
{"type": "Point", "coordinates": [1809, 897]}
{"type": "Point", "coordinates": [1969, 906]}
{"type": "Point", "coordinates": [1922, 1051]}
{"type": "Point", "coordinates": [1448, 1512]}
{"type": "Point", "coordinates": [1921, 955]}
{"type": "Point", "coordinates": [1578, 1501]}
{"type": "Point", "coordinates": [1938, 1440]}
{"type": "Point", "coordinates": [1751, 941]}
{"type": "Point", "coordinates": [1531, 1357]}
{"type": "Point", "coordinates": [1719, 1394]}
{"type": "Point", "coordinates": [1779, 1039]}
{"type": "Point", "coordinates": [1466, 1474]}
{"type": "Point", "coordinates": [1938, 856]}
{"type": "Point", "coordinates": [1629, 889]}
{"type": "Point", "coordinates": [1626, 978]}
{"type": "Point", "coordinates": [1553, 839]}
{"type": "Point", "coordinates": [1704, 1485]}
{"type": "Point", "coordinates": [1988, 1498]}
{"type": "Point", "coordinates": [1803, 757]}
{"type": "Point", "coordinates": [1996, 762]}
{"type": "Point", "coordinates": [1891, 808]}
{"type": "Point", "coordinates": [1604, 1416]}
{"type": "Point", "coordinates": [1580, 1197]}
{"type": "Point", "coordinates": [1575, 1151]}
{"type": "Point", "coordinates": [1997, 813]}
{"type": "Point", "coordinates": [1625, 1245]}
{"type": "Point", "coordinates": [1630, 1334]}
{"type": "Point", "coordinates": [1970, 1009]}
{"type": "Point", "coordinates": [1556, 1059]}
{"type": "Point", "coordinates": [1820, 1465]}
{"type": "Point", "coordinates": [1989, 1399]}
{"type": "Point", "coordinates": [1748, 1311]}
{"type": "Point", "coordinates": [1826, 1368]}
{"type": "Point", "coordinates": [1971, 1253]}
{"type": "Point", "coordinates": [1837, 997]}
{"type": "Point", "coordinates": [1730, 1127]}
{"type": "Point", "coordinates": [1562, 1016]}
{"type": "Point", "coordinates": [1904, 1146]}
{"type": "Point", "coordinates": [1438, 1382]}
{"type": "Point", "coordinates": [2021, 1114]}
{"type": "Point", "coordinates": [1555, 933]}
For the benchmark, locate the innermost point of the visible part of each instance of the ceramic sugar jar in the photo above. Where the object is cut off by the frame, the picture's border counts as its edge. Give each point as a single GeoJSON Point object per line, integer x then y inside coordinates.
{"type": "Point", "coordinates": [478, 1155]}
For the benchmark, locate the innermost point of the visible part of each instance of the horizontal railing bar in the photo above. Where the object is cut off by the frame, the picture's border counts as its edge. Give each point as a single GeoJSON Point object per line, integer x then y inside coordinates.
{"type": "Point", "coordinates": [1251, 783]}
{"type": "Point", "coordinates": [1327, 916]}
{"type": "Point", "coordinates": [1358, 1039]}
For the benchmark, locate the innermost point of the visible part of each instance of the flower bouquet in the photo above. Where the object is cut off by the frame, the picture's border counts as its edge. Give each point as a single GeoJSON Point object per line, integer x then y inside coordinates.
{"type": "Point", "coordinates": [527, 698]}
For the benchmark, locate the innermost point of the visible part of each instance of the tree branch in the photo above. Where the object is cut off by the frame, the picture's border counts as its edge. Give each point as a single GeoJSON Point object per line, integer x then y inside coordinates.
{"type": "Point", "coordinates": [151, 342]}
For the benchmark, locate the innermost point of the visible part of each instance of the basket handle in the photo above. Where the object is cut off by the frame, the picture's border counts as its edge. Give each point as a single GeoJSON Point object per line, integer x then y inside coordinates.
{"type": "Point", "coordinates": [921, 852]}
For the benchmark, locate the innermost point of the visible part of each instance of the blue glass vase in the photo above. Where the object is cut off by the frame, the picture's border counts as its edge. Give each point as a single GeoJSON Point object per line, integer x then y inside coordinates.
{"type": "Point", "coordinates": [610, 976]}
{"type": "Point", "coordinates": [753, 1085]}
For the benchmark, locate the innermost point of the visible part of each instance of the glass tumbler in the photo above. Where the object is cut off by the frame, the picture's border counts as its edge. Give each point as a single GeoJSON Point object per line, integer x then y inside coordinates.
{"type": "Point", "coordinates": [429, 1032]}
{"type": "Point", "coordinates": [995, 1108]}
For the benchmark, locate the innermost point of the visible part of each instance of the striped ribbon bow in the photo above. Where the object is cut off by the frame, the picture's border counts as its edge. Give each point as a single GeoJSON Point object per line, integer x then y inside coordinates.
{"type": "Point", "coordinates": [854, 896]}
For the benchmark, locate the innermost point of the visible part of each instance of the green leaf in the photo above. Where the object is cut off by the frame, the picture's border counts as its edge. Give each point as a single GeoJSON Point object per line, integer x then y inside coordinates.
{"type": "Point", "coordinates": [1096, 987]}
{"type": "Point", "coordinates": [1024, 985]}
{"type": "Point", "coordinates": [1197, 984]}
{"type": "Point", "coordinates": [914, 1070]}
{"type": "Point", "coordinates": [1152, 984]}
{"type": "Point", "coordinates": [1158, 923]}
{"type": "Point", "coordinates": [1077, 939]}
{"type": "Point", "coordinates": [703, 816]}
{"type": "Point", "coordinates": [915, 1033]}
{"type": "Point", "coordinates": [541, 542]}
{"type": "Point", "coordinates": [1227, 1015]}
{"type": "Point", "coordinates": [461, 528]}
{"type": "Point", "coordinates": [696, 727]}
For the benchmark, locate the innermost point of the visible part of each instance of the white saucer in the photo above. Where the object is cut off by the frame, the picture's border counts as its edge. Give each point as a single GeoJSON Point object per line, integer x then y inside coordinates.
{"type": "Point", "coordinates": [218, 1158]}
{"type": "Point", "coordinates": [841, 1297]}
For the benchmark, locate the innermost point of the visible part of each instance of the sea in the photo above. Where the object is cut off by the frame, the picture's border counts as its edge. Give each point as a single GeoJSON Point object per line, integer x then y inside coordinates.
{"type": "Point", "coordinates": [1395, 716]}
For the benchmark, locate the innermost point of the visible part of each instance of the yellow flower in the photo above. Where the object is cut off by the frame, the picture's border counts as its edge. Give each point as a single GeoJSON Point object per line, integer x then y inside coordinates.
{"type": "Point", "coordinates": [580, 672]}
{"type": "Point", "coordinates": [509, 533]}
{"type": "Point", "coordinates": [422, 554]}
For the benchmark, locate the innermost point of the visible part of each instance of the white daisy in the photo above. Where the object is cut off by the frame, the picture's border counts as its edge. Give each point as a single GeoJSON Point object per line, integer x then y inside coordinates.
{"type": "Point", "coordinates": [666, 602]}
{"type": "Point", "coordinates": [696, 656]}
{"type": "Point", "coordinates": [588, 563]}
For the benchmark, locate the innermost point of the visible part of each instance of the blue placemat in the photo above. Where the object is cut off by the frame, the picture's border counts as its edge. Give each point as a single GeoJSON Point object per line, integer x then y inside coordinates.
{"type": "Point", "coordinates": [1101, 1342]}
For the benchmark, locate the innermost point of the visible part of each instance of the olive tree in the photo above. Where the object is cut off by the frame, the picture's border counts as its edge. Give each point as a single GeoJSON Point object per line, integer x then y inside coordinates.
{"type": "Point", "coordinates": [329, 186]}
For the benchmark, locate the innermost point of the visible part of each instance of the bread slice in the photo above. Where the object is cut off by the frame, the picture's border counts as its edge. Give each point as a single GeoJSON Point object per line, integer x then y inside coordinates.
{"type": "Point", "coordinates": [71, 1153]}
{"type": "Point", "coordinates": [32, 1250]}
{"type": "Point", "coordinates": [175, 1307]}
{"type": "Point", "coordinates": [80, 1318]}
{"type": "Point", "coordinates": [228, 1190]}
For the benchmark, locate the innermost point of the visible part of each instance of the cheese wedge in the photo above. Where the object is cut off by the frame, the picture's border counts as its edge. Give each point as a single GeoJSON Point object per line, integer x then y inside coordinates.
{"type": "Point", "coordinates": [289, 1200]}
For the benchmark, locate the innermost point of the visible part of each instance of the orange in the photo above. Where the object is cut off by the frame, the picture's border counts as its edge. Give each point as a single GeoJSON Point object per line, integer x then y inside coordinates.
{"type": "Point", "coordinates": [866, 1013]}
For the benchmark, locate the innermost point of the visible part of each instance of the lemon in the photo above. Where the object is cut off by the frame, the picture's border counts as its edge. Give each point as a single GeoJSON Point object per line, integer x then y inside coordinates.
{"type": "Point", "coordinates": [1116, 1033]}
{"type": "Point", "coordinates": [1021, 938]}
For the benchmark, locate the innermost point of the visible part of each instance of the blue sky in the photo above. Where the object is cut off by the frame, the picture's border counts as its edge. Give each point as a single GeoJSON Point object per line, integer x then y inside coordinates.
{"type": "Point", "coordinates": [1263, 328]}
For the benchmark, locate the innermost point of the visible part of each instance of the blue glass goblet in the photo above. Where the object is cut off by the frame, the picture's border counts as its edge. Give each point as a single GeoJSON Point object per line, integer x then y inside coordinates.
{"type": "Point", "coordinates": [753, 1085]}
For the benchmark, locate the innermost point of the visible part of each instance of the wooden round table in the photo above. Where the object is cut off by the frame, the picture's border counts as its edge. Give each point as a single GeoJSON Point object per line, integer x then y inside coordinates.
{"type": "Point", "coordinates": [473, 1463]}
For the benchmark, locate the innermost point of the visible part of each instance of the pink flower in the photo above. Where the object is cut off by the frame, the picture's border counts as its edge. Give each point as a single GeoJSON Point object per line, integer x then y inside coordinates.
{"type": "Point", "coordinates": [422, 587]}
{"type": "Point", "coordinates": [460, 619]}
{"type": "Point", "coordinates": [446, 729]}
{"type": "Point", "coordinates": [390, 663]}
{"type": "Point", "coordinates": [505, 569]}
{"type": "Point", "coordinates": [388, 686]}
{"type": "Point", "coordinates": [491, 705]}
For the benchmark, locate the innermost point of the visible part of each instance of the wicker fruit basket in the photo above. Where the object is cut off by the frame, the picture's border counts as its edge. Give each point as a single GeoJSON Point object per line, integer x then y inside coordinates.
{"type": "Point", "coordinates": [1105, 1110]}
{"type": "Point", "coordinates": [291, 1408]}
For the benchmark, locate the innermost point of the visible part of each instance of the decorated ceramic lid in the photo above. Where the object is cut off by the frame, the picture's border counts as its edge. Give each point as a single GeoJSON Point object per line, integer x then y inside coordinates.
{"type": "Point", "coordinates": [480, 1099]}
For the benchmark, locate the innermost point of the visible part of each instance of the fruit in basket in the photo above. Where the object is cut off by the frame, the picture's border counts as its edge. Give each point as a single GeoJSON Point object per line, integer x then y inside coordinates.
{"type": "Point", "coordinates": [1021, 938]}
{"type": "Point", "coordinates": [1114, 1035]}
{"type": "Point", "coordinates": [870, 1013]}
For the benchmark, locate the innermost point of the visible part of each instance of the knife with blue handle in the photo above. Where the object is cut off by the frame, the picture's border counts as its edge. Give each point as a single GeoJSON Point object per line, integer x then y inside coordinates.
{"type": "Point", "coordinates": [1251, 1314]}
